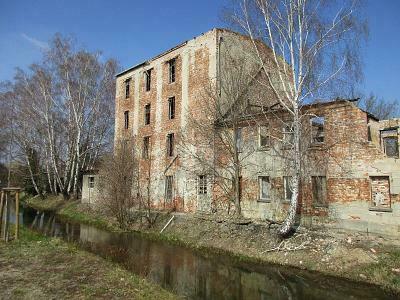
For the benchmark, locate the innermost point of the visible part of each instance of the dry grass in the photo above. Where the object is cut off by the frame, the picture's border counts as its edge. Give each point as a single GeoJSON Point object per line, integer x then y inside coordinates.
{"type": "Point", "coordinates": [46, 268]}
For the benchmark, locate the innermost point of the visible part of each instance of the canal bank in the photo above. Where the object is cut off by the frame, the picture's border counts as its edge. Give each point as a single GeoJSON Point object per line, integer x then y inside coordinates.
{"type": "Point", "coordinates": [39, 267]}
{"type": "Point", "coordinates": [346, 255]}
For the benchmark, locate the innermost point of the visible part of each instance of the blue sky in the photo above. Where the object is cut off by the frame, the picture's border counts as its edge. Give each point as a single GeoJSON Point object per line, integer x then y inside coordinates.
{"type": "Point", "coordinates": [132, 31]}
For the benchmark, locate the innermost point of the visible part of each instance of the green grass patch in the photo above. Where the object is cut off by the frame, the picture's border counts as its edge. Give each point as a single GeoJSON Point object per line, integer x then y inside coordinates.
{"type": "Point", "coordinates": [386, 272]}
{"type": "Point", "coordinates": [38, 267]}
{"type": "Point", "coordinates": [50, 203]}
{"type": "Point", "coordinates": [71, 212]}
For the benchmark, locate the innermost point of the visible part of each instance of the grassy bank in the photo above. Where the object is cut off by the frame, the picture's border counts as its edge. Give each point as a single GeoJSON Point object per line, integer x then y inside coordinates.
{"type": "Point", "coordinates": [39, 267]}
{"type": "Point", "coordinates": [355, 256]}
{"type": "Point", "coordinates": [50, 203]}
{"type": "Point", "coordinates": [75, 212]}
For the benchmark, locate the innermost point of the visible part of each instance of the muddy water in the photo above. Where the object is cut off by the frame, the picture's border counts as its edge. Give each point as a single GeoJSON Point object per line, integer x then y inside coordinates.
{"type": "Point", "coordinates": [194, 276]}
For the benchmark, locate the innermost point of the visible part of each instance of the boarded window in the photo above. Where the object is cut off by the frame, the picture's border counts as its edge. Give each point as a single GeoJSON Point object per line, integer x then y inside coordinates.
{"type": "Point", "coordinates": [170, 144]}
{"type": "Point", "coordinates": [287, 186]}
{"type": "Point", "coordinates": [239, 140]}
{"type": "Point", "coordinates": [91, 182]}
{"type": "Point", "coordinates": [202, 183]}
{"type": "Point", "coordinates": [319, 190]}
{"type": "Point", "coordinates": [171, 70]}
{"type": "Point", "coordinates": [317, 130]}
{"type": "Point", "coordinates": [391, 146]}
{"type": "Point", "coordinates": [147, 76]}
{"type": "Point", "coordinates": [126, 119]}
{"type": "Point", "coordinates": [380, 192]}
{"type": "Point", "coordinates": [147, 110]}
{"type": "Point", "coordinates": [146, 147]}
{"type": "Point", "coordinates": [171, 108]}
{"type": "Point", "coordinates": [264, 188]}
{"type": "Point", "coordinates": [168, 188]}
{"type": "Point", "coordinates": [263, 137]}
{"type": "Point", "coordinates": [127, 87]}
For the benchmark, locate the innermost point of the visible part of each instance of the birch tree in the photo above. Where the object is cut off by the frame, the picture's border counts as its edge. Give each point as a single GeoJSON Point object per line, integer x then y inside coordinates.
{"type": "Point", "coordinates": [64, 112]}
{"type": "Point", "coordinates": [314, 53]}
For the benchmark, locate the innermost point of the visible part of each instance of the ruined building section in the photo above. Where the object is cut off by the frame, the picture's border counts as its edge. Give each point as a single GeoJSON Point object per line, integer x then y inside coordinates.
{"type": "Point", "coordinates": [351, 172]}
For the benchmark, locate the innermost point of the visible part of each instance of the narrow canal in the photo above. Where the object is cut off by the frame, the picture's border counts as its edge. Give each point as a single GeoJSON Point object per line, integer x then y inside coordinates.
{"type": "Point", "coordinates": [195, 276]}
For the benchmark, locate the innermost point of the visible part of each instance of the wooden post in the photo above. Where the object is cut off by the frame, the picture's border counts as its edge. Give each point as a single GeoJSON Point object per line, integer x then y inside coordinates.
{"type": "Point", "coordinates": [1, 210]}
{"type": "Point", "coordinates": [16, 215]}
{"type": "Point", "coordinates": [5, 236]}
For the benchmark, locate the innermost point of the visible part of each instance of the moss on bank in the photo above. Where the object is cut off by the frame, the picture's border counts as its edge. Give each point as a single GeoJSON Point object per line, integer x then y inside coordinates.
{"type": "Point", "coordinates": [329, 255]}
{"type": "Point", "coordinates": [39, 267]}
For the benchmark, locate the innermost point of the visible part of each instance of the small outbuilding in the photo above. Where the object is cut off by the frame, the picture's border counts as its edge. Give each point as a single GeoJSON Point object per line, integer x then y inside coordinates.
{"type": "Point", "coordinates": [90, 186]}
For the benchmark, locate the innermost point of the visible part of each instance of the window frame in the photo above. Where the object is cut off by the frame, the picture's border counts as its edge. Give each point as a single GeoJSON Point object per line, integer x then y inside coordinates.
{"type": "Point", "coordinates": [316, 135]}
{"type": "Point", "coordinates": [172, 70]}
{"type": "Point", "coordinates": [127, 88]}
{"type": "Point", "coordinates": [380, 208]}
{"type": "Point", "coordinates": [147, 76]}
{"type": "Point", "coordinates": [202, 185]}
{"type": "Point", "coordinates": [394, 138]}
{"type": "Point", "coordinates": [146, 147]}
{"type": "Point", "coordinates": [126, 119]}
{"type": "Point", "coordinates": [147, 114]}
{"type": "Point", "coordinates": [315, 201]}
{"type": "Point", "coordinates": [171, 108]}
{"type": "Point", "coordinates": [260, 188]}
{"type": "Point", "coordinates": [170, 144]}
{"type": "Point", "coordinates": [268, 137]}
{"type": "Point", "coordinates": [169, 189]}
{"type": "Point", "coordinates": [288, 136]}
{"type": "Point", "coordinates": [91, 181]}
{"type": "Point", "coordinates": [286, 185]}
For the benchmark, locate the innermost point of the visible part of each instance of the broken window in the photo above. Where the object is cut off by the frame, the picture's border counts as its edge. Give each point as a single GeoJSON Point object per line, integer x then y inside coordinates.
{"type": "Point", "coordinates": [202, 183]}
{"type": "Point", "coordinates": [391, 146]}
{"type": "Point", "coordinates": [168, 188]}
{"type": "Point", "coordinates": [264, 188]}
{"type": "Point", "coordinates": [263, 137]}
{"type": "Point", "coordinates": [146, 147]}
{"type": "Point", "coordinates": [288, 136]}
{"type": "Point", "coordinates": [239, 140]}
{"type": "Point", "coordinates": [91, 182]}
{"type": "Point", "coordinates": [171, 70]}
{"type": "Point", "coordinates": [127, 87]}
{"type": "Point", "coordinates": [126, 119]}
{"type": "Point", "coordinates": [147, 75]}
{"type": "Point", "coordinates": [170, 144]}
{"type": "Point", "coordinates": [287, 186]}
{"type": "Point", "coordinates": [317, 130]}
{"type": "Point", "coordinates": [369, 133]}
{"type": "Point", "coordinates": [147, 114]}
{"type": "Point", "coordinates": [171, 108]}
{"type": "Point", "coordinates": [319, 190]}
{"type": "Point", "coordinates": [380, 192]}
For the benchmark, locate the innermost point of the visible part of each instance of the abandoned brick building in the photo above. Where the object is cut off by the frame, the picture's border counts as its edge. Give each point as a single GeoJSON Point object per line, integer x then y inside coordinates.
{"type": "Point", "coordinates": [353, 178]}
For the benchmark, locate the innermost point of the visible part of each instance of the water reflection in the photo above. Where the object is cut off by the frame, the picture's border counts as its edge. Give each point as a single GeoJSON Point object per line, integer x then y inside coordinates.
{"type": "Point", "coordinates": [196, 277]}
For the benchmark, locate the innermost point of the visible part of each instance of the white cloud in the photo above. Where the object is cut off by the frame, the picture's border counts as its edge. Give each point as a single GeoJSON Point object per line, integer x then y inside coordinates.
{"type": "Point", "coordinates": [35, 42]}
